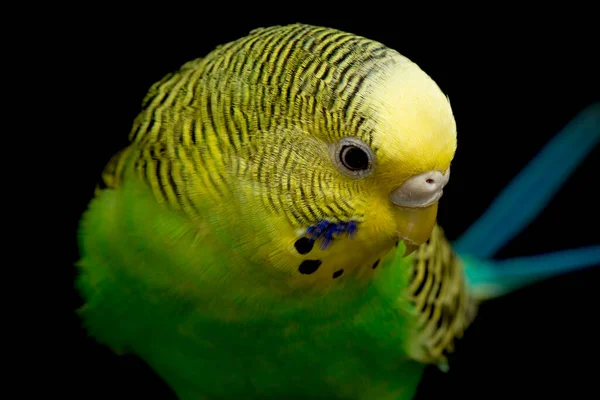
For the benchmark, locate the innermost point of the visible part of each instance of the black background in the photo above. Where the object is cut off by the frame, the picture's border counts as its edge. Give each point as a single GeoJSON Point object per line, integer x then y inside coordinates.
{"type": "Point", "coordinates": [513, 80]}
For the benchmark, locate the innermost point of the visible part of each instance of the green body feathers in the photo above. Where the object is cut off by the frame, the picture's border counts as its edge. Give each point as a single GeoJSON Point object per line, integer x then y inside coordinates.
{"type": "Point", "coordinates": [175, 310]}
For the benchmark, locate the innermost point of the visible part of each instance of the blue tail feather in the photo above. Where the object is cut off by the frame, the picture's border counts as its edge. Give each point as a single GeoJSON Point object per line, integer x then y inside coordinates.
{"type": "Point", "coordinates": [525, 197]}
{"type": "Point", "coordinates": [489, 279]}
{"type": "Point", "coordinates": [521, 202]}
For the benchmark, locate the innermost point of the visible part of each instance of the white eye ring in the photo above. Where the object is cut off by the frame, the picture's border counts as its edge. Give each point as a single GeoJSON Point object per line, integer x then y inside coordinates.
{"type": "Point", "coordinates": [353, 157]}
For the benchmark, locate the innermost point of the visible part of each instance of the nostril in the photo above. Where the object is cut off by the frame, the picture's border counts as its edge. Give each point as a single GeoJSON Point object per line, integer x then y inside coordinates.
{"type": "Point", "coordinates": [420, 190]}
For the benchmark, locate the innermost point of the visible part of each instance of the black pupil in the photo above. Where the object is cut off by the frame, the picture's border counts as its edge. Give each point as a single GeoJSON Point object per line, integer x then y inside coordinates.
{"type": "Point", "coordinates": [354, 158]}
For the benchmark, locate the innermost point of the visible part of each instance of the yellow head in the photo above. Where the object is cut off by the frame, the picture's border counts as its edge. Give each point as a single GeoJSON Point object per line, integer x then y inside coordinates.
{"type": "Point", "coordinates": [305, 136]}
{"type": "Point", "coordinates": [353, 136]}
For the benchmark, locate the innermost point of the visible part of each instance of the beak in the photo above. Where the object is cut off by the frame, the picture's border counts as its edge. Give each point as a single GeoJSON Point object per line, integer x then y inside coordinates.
{"type": "Point", "coordinates": [414, 225]}
{"type": "Point", "coordinates": [416, 202]}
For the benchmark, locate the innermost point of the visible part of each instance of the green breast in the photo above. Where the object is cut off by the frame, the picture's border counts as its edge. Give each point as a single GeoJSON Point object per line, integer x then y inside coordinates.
{"type": "Point", "coordinates": [155, 288]}
{"type": "Point", "coordinates": [293, 358]}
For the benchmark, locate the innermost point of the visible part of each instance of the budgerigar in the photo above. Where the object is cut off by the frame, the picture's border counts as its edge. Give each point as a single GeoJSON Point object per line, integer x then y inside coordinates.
{"type": "Point", "coordinates": [270, 231]}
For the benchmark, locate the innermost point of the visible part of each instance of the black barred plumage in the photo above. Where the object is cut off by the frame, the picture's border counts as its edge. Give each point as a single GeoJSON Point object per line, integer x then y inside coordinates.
{"type": "Point", "coordinates": [216, 111]}
{"type": "Point", "coordinates": [439, 294]}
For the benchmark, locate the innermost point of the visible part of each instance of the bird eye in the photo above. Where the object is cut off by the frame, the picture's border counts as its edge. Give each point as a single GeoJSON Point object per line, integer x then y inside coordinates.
{"type": "Point", "coordinates": [353, 157]}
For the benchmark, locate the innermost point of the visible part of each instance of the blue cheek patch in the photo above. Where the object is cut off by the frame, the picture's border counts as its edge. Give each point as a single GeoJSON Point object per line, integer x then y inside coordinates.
{"type": "Point", "coordinates": [328, 231]}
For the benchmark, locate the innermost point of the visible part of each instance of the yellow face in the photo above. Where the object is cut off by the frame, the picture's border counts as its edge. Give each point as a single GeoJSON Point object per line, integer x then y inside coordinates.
{"type": "Point", "coordinates": [305, 154]}
{"type": "Point", "coordinates": [416, 141]}
{"type": "Point", "coordinates": [350, 198]}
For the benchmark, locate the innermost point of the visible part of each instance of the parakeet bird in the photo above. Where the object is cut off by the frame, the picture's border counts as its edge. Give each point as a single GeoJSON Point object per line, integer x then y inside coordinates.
{"type": "Point", "coordinates": [270, 231]}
